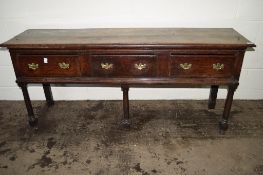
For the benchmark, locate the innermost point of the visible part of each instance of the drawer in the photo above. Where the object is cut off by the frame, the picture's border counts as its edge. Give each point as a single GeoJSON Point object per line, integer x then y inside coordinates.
{"type": "Point", "coordinates": [201, 66]}
{"type": "Point", "coordinates": [123, 65]}
{"type": "Point", "coordinates": [48, 65]}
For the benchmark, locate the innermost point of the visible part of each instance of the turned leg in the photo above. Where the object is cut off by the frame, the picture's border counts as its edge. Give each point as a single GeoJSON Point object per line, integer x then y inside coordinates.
{"type": "Point", "coordinates": [223, 124]}
{"type": "Point", "coordinates": [212, 97]}
{"type": "Point", "coordinates": [32, 120]}
{"type": "Point", "coordinates": [125, 121]}
{"type": "Point", "coordinates": [48, 94]}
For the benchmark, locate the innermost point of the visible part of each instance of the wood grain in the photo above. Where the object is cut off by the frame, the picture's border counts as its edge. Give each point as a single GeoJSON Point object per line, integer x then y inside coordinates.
{"type": "Point", "coordinates": [131, 37]}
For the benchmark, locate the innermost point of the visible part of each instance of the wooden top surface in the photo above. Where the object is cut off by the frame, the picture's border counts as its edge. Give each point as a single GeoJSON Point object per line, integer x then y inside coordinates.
{"type": "Point", "coordinates": [81, 38]}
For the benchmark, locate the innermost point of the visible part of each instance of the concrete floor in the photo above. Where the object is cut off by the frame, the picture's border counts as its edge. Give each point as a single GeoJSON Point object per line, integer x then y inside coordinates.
{"type": "Point", "coordinates": [167, 137]}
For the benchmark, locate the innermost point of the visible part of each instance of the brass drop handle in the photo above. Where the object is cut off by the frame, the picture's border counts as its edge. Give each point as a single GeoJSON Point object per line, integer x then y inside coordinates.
{"type": "Point", "coordinates": [63, 65]}
{"type": "Point", "coordinates": [186, 66]}
{"type": "Point", "coordinates": [140, 66]}
{"type": "Point", "coordinates": [106, 66]}
{"type": "Point", "coordinates": [218, 66]}
{"type": "Point", "coordinates": [33, 66]}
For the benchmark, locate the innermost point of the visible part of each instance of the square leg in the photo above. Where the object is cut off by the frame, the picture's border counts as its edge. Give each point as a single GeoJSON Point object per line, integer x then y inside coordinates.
{"type": "Point", "coordinates": [212, 97]}
{"type": "Point", "coordinates": [48, 94]}
{"type": "Point", "coordinates": [126, 119]}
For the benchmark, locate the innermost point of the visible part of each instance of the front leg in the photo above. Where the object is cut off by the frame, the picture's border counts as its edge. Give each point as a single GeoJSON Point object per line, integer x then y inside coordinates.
{"type": "Point", "coordinates": [126, 120]}
{"type": "Point", "coordinates": [48, 94]}
{"type": "Point", "coordinates": [223, 124]}
{"type": "Point", "coordinates": [32, 120]}
{"type": "Point", "coordinates": [212, 97]}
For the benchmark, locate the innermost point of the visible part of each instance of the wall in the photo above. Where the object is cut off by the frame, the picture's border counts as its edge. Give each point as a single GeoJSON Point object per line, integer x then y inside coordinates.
{"type": "Point", "coordinates": [246, 16]}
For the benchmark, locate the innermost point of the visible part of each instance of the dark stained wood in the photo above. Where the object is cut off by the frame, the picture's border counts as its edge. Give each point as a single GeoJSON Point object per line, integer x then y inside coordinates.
{"type": "Point", "coordinates": [135, 57]}
{"type": "Point", "coordinates": [51, 68]}
{"type": "Point", "coordinates": [223, 124]}
{"type": "Point", "coordinates": [238, 63]}
{"type": "Point", "coordinates": [123, 66]}
{"type": "Point", "coordinates": [125, 121]}
{"type": "Point", "coordinates": [212, 97]}
{"type": "Point", "coordinates": [83, 38]}
{"type": "Point", "coordinates": [32, 120]}
{"type": "Point", "coordinates": [201, 66]}
{"type": "Point", "coordinates": [163, 64]}
{"type": "Point", "coordinates": [48, 94]}
{"type": "Point", "coordinates": [134, 82]}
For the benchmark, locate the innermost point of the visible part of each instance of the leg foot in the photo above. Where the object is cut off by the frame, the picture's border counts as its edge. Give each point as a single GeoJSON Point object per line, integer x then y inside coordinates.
{"type": "Point", "coordinates": [125, 123]}
{"type": "Point", "coordinates": [223, 125]}
{"type": "Point", "coordinates": [33, 122]}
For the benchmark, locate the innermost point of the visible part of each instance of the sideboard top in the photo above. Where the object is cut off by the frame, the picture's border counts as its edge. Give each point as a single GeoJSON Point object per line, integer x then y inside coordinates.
{"type": "Point", "coordinates": [129, 37]}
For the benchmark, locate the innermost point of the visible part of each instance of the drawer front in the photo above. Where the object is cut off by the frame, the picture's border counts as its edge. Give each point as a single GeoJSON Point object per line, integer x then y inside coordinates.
{"type": "Point", "coordinates": [123, 65]}
{"type": "Point", "coordinates": [201, 66]}
{"type": "Point", "coordinates": [48, 65]}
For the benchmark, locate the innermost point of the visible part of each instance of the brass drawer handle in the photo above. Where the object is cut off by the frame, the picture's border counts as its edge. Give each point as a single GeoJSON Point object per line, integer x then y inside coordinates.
{"type": "Point", "coordinates": [33, 66]}
{"type": "Point", "coordinates": [218, 66]}
{"type": "Point", "coordinates": [63, 65]}
{"type": "Point", "coordinates": [106, 66]}
{"type": "Point", "coordinates": [140, 66]}
{"type": "Point", "coordinates": [186, 66]}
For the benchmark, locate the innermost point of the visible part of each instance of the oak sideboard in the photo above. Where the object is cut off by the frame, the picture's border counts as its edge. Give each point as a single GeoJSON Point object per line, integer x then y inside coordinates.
{"type": "Point", "coordinates": [129, 57]}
